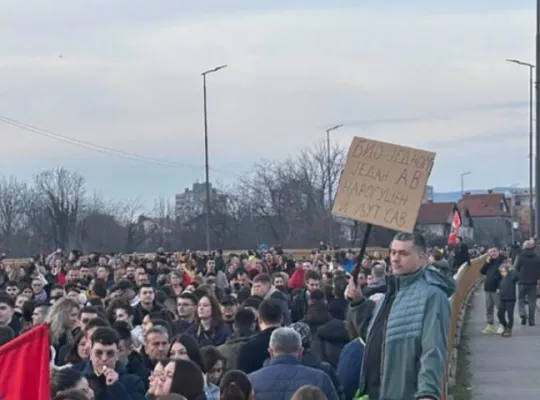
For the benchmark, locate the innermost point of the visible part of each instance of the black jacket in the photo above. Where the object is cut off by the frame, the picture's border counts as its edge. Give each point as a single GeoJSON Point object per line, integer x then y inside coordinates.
{"type": "Point", "coordinates": [254, 352]}
{"type": "Point", "coordinates": [461, 255]}
{"type": "Point", "coordinates": [127, 387]}
{"type": "Point", "coordinates": [528, 267]}
{"type": "Point", "coordinates": [507, 288]}
{"type": "Point", "coordinates": [299, 306]}
{"type": "Point", "coordinates": [493, 276]}
{"type": "Point", "coordinates": [136, 366]}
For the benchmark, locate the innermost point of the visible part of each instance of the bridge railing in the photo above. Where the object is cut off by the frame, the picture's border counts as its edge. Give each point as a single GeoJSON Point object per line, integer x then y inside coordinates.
{"type": "Point", "coordinates": [467, 278]}
{"type": "Point", "coordinates": [298, 254]}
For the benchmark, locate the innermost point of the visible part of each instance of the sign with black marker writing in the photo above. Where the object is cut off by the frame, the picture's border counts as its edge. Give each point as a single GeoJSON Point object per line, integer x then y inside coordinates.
{"type": "Point", "coordinates": [383, 184]}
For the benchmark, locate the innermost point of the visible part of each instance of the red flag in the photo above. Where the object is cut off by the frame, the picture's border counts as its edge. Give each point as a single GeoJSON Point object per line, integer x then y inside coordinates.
{"type": "Point", "coordinates": [24, 366]}
{"type": "Point", "coordinates": [456, 224]}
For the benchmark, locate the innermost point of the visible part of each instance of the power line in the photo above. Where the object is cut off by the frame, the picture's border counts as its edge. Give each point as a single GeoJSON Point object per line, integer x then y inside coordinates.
{"type": "Point", "coordinates": [95, 147]}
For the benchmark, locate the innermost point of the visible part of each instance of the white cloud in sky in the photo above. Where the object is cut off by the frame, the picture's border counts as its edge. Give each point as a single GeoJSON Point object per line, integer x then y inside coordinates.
{"type": "Point", "coordinates": [131, 80]}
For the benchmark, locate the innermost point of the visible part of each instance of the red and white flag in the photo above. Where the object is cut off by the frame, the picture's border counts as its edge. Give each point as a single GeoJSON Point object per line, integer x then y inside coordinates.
{"type": "Point", "coordinates": [454, 229]}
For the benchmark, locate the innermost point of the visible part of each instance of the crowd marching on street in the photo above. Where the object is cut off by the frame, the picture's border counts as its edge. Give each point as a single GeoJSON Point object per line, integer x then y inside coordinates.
{"type": "Point", "coordinates": [256, 325]}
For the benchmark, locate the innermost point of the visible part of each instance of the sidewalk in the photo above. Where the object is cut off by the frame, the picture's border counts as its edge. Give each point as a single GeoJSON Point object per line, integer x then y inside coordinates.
{"type": "Point", "coordinates": [503, 368]}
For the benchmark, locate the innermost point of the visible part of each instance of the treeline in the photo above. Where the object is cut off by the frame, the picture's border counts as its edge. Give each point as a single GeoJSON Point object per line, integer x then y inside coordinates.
{"type": "Point", "coordinates": [281, 202]}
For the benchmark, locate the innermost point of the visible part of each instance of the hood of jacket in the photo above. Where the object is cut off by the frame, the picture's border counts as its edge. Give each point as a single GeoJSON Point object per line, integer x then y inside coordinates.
{"type": "Point", "coordinates": [334, 331]}
{"type": "Point", "coordinates": [433, 276]}
{"type": "Point", "coordinates": [528, 253]}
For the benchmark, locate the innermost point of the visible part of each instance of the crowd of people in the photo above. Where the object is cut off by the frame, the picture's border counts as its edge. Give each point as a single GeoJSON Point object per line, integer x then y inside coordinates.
{"type": "Point", "coordinates": [253, 326]}
{"type": "Point", "coordinates": [510, 277]}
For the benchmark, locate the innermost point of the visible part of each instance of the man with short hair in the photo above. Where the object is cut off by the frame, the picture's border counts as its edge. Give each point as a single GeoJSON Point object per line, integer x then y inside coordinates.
{"type": "Point", "coordinates": [156, 346]}
{"type": "Point", "coordinates": [147, 303]}
{"type": "Point", "coordinates": [262, 287]}
{"type": "Point", "coordinates": [106, 377]}
{"type": "Point", "coordinates": [312, 281]}
{"type": "Point", "coordinates": [406, 331]}
{"type": "Point", "coordinates": [128, 356]}
{"type": "Point", "coordinates": [490, 270]}
{"type": "Point", "coordinates": [243, 328]}
{"type": "Point", "coordinates": [252, 355]}
{"type": "Point", "coordinates": [285, 374]}
{"type": "Point", "coordinates": [87, 314]}
{"type": "Point", "coordinates": [527, 265]}
{"type": "Point", "coordinates": [186, 306]}
{"type": "Point", "coordinates": [12, 289]}
{"type": "Point", "coordinates": [7, 309]}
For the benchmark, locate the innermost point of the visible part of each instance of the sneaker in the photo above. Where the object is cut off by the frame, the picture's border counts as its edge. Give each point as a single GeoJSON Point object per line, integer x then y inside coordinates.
{"type": "Point", "coordinates": [500, 330]}
{"type": "Point", "coordinates": [507, 333]}
{"type": "Point", "coordinates": [488, 330]}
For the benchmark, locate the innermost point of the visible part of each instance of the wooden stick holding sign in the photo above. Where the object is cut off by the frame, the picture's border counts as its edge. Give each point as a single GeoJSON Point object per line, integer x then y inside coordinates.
{"type": "Point", "coordinates": [382, 184]}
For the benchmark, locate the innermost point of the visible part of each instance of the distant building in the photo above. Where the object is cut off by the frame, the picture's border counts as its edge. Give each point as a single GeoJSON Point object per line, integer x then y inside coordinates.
{"type": "Point", "coordinates": [490, 216]}
{"type": "Point", "coordinates": [521, 210]}
{"type": "Point", "coordinates": [428, 194]}
{"type": "Point", "coordinates": [191, 204]}
{"type": "Point", "coordinates": [434, 221]}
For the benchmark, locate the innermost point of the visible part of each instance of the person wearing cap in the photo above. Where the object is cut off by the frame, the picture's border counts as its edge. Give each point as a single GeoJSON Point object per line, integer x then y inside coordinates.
{"type": "Point", "coordinates": [229, 307]}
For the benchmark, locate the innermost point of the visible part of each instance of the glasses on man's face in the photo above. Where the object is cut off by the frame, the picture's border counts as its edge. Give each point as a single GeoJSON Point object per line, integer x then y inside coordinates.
{"type": "Point", "coordinates": [98, 353]}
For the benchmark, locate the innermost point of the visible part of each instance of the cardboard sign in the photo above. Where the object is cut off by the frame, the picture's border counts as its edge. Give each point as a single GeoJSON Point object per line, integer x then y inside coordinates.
{"type": "Point", "coordinates": [383, 184]}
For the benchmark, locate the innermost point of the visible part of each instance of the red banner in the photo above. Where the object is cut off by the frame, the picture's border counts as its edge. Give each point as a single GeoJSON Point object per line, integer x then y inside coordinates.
{"type": "Point", "coordinates": [24, 366]}
{"type": "Point", "coordinates": [454, 230]}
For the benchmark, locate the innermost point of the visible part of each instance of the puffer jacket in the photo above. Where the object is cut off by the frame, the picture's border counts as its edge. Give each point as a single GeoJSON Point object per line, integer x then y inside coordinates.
{"type": "Point", "coordinates": [284, 375]}
{"type": "Point", "coordinates": [415, 333]}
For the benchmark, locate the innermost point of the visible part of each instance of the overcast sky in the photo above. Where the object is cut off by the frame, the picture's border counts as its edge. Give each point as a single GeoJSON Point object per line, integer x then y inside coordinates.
{"type": "Point", "coordinates": [125, 74]}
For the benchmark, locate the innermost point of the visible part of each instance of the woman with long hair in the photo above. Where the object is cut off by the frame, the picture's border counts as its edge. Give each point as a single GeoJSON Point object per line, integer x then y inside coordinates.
{"type": "Point", "coordinates": [185, 347]}
{"type": "Point", "coordinates": [63, 317]}
{"type": "Point", "coordinates": [235, 385]}
{"type": "Point", "coordinates": [181, 377]}
{"type": "Point", "coordinates": [209, 328]}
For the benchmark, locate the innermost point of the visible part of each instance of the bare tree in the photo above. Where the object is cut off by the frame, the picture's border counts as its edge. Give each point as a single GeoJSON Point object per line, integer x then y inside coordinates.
{"type": "Point", "coordinates": [61, 193]}
{"type": "Point", "coordinates": [14, 197]}
{"type": "Point", "coordinates": [137, 227]}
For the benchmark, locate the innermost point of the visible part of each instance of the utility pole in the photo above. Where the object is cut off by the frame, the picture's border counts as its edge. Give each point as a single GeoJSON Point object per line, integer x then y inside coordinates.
{"type": "Point", "coordinates": [329, 174]}
{"type": "Point", "coordinates": [537, 125]}
{"type": "Point", "coordinates": [531, 68]}
{"type": "Point", "coordinates": [206, 158]}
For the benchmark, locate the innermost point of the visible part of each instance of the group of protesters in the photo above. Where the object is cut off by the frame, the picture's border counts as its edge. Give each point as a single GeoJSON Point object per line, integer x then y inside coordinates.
{"type": "Point", "coordinates": [237, 326]}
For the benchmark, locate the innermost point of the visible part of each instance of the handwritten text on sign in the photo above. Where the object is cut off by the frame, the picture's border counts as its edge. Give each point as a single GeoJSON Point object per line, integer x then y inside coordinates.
{"type": "Point", "coordinates": [383, 184]}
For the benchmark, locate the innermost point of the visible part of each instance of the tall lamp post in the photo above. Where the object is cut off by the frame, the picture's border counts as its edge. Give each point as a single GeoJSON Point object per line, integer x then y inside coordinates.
{"type": "Point", "coordinates": [206, 162]}
{"type": "Point", "coordinates": [328, 173]}
{"type": "Point", "coordinates": [531, 134]}
{"type": "Point", "coordinates": [463, 175]}
{"type": "Point", "coordinates": [537, 126]}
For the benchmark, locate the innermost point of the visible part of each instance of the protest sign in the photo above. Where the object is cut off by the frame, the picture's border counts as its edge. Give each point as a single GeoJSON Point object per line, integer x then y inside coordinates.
{"type": "Point", "coordinates": [383, 184]}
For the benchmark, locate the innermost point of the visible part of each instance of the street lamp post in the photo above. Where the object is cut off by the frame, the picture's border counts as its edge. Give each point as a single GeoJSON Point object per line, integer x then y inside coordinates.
{"type": "Point", "coordinates": [463, 175]}
{"type": "Point", "coordinates": [206, 161]}
{"type": "Point", "coordinates": [537, 126]}
{"type": "Point", "coordinates": [328, 172]}
{"type": "Point", "coordinates": [532, 229]}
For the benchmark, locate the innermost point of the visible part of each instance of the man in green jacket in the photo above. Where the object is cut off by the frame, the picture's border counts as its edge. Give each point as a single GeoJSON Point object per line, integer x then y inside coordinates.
{"type": "Point", "coordinates": [406, 331]}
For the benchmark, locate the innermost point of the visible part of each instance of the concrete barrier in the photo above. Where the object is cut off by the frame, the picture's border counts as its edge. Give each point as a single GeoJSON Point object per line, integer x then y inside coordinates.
{"type": "Point", "coordinates": [298, 254]}
{"type": "Point", "coordinates": [467, 279]}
